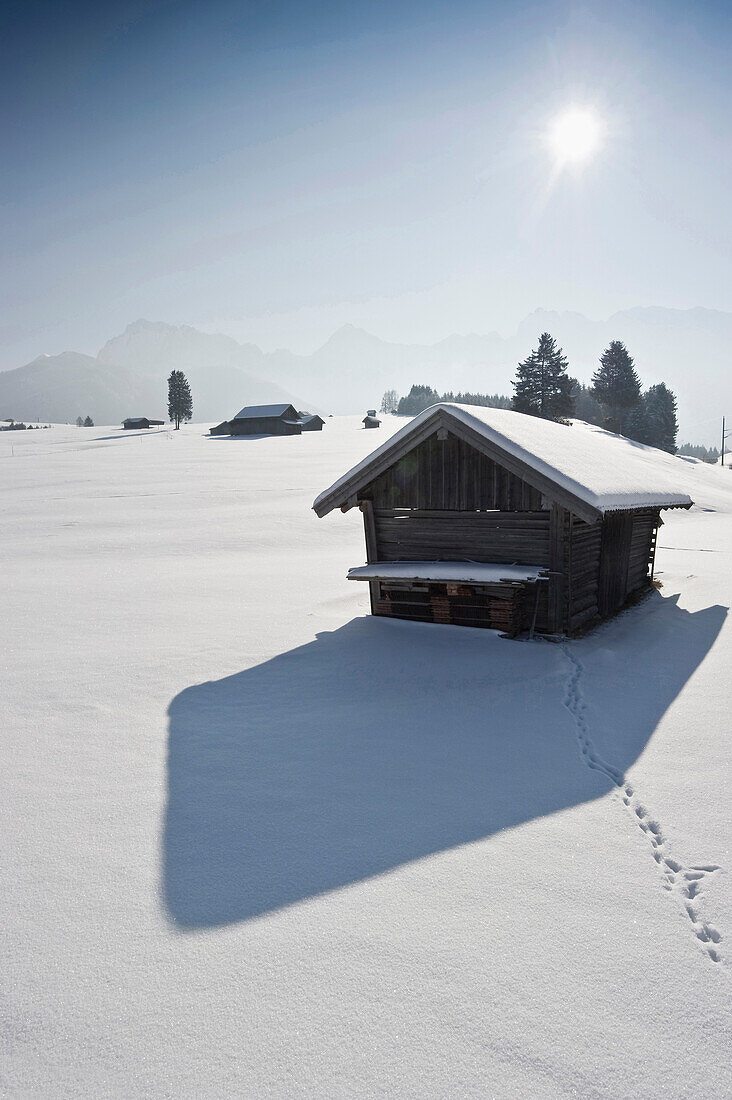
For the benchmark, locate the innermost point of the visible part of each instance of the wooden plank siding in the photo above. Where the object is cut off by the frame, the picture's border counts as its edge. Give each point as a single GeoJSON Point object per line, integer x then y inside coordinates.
{"type": "Point", "coordinates": [449, 474]}
{"type": "Point", "coordinates": [583, 572]}
{"type": "Point", "coordinates": [642, 546]}
{"type": "Point", "coordinates": [419, 535]}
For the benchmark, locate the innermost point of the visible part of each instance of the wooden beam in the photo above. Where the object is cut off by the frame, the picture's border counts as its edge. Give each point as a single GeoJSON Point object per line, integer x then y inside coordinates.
{"type": "Point", "coordinates": [557, 516]}
{"type": "Point", "coordinates": [372, 551]}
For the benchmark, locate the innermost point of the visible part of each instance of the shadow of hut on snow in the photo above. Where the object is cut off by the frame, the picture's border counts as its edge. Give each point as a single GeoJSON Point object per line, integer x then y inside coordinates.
{"type": "Point", "coordinates": [385, 741]}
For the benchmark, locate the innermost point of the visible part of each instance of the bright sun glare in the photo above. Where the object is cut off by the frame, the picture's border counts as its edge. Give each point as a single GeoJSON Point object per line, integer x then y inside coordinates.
{"type": "Point", "coordinates": [575, 135]}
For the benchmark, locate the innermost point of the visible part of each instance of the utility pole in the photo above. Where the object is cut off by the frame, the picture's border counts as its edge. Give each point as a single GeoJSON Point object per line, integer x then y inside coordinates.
{"type": "Point", "coordinates": [723, 434]}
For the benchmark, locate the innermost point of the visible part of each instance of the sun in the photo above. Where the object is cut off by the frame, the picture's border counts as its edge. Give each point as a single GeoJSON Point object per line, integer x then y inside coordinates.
{"type": "Point", "coordinates": [575, 135]}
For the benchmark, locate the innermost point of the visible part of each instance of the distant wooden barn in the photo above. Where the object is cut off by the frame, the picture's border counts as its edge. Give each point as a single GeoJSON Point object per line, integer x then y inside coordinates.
{"type": "Point", "coordinates": [371, 421]}
{"type": "Point", "coordinates": [486, 517]}
{"type": "Point", "coordinates": [266, 420]}
{"type": "Point", "coordinates": [311, 422]}
{"type": "Point", "coordinates": [140, 422]}
{"type": "Point", "coordinates": [269, 420]}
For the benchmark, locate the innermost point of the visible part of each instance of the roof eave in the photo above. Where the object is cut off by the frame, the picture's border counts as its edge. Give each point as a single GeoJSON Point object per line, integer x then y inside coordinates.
{"type": "Point", "coordinates": [344, 493]}
{"type": "Point", "coordinates": [344, 496]}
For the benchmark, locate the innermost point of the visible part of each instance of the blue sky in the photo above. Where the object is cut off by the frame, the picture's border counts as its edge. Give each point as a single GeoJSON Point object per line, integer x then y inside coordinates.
{"type": "Point", "coordinates": [274, 170]}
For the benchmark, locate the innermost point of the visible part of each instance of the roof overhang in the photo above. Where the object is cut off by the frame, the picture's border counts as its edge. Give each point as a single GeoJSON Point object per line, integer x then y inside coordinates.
{"type": "Point", "coordinates": [343, 493]}
{"type": "Point", "coordinates": [562, 490]}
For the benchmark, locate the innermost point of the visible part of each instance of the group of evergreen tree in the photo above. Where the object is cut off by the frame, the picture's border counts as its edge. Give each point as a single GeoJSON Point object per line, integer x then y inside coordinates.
{"type": "Point", "coordinates": [21, 426]}
{"type": "Point", "coordinates": [418, 399]}
{"type": "Point", "coordinates": [180, 402]}
{"type": "Point", "coordinates": [487, 400]}
{"type": "Point", "coordinates": [615, 399]}
{"type": "Point", "coordinates": [543, 387]}
{"type": "Point", "coordinates": [697, 450]}
{"type": "Point", "coordinates": [84, 422]}
{"type": "Point", "coordinates": [421, 397]}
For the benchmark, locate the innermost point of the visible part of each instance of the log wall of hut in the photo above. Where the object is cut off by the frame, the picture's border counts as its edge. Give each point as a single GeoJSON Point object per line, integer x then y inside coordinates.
{"type": "Point", "coordinates": [416, 535]}
{"type": "Point", "coordinates": [583, 565]}
{"type": "Point", "coordinates": [607, 562]}
{"type": "Point", "coordinates": [642, 548]}
{"type": "Point", "coordinates": [449, 474]}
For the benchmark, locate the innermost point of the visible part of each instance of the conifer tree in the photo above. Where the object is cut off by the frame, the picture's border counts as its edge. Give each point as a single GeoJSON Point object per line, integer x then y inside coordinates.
{"type": "Point", "coordinates": [418, 399]}
{"type": "Point", "coordinates": [616, 385]}
{"type": "Point", "coordinates": [586, 405]}
{"type": "Point", "coordinates": [79, 422]}
{"type": "Point", "coordinates": [180, 402]}
{"type": "Point", "coordinates": [88, 422]}
{"type": "Point", "coordinates": [543, 387]}
{"type": "Point", "coordinates": [653, 421]}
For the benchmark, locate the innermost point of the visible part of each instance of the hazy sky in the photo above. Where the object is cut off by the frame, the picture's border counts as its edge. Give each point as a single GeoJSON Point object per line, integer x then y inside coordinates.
{"type": "Point", "coordinates": [273, 170]}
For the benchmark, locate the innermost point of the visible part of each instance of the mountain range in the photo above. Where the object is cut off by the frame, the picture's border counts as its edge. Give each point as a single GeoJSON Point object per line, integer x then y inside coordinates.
{"type": "Point", "coordinates": [687, 349]}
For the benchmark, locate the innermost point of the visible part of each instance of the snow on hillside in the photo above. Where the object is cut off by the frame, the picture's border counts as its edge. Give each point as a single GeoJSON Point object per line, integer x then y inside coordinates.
{"type": "Point", "coordinates": [257, 842]}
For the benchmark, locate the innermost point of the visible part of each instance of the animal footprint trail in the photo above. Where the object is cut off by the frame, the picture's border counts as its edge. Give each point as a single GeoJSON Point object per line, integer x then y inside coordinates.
{"type": "Point", "coordinates": [684, 882]}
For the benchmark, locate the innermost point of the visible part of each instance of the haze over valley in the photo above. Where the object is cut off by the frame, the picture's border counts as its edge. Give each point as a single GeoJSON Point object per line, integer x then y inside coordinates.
{"type": "Point", "coordinates": [351, 371]}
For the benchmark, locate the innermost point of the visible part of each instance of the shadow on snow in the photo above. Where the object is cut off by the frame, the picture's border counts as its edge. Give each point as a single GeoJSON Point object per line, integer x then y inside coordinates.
{"type": "Point", "coordinates": [385, 741]}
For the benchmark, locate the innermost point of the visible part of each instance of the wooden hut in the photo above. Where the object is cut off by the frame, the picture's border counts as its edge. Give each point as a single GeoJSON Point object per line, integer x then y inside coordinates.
{"type": "Point", "coordinates": [371, 421]}
{"type": "Point", "coordinates": [311, 422]}
{"type": "Point", "coordinates": [266, 420]}
{"type": "Point", "coordinates": [224, 428]}
{"type": "Point", "coordinates": [487, 517]}
{"type": "Point", "coordinates": [140, 422]}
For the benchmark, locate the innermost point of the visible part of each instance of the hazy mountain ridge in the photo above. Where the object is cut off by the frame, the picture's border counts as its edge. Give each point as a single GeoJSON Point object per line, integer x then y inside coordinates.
{"type": "Point", "coordinates": [687, 349]}
{"type": "Point", "coordinates": [351, 370]}
{"type": "Point", "coordinates": [128, 378]}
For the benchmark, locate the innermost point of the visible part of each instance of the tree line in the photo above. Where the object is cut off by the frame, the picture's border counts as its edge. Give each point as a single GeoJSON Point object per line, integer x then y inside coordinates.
{"type": "Point", "coordinates": [421, 397]}
{"type": "Point", "coordinates": [543, 387]}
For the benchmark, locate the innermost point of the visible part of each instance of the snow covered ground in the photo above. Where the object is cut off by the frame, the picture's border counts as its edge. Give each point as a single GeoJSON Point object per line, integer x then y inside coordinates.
{"type": "Point", "coordinates": [256, 842]}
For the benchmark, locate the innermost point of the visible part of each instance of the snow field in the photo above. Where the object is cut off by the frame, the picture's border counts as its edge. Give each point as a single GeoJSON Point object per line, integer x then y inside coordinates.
{"type": "Point", "coordinates": [256, 842]}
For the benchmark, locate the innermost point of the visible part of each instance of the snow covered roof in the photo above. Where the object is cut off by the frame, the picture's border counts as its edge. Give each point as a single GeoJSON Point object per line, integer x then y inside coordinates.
{"type": "Point", "coordinates": [593, 470]}
{"type": "Point", "coordinates": [251, 412]}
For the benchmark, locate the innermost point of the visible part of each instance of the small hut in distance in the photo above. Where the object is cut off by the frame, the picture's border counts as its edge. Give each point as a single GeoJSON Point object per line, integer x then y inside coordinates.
{"type": "Point", "coordinates": [487, 517]}
{"type": "Point", "coordinates": [371, 420]}
{"type": "Point", "coordinates": [266, 420]}
{"type": "Point", "coordinates": [311, 422]}
{"type": "Point", "coordinates": [140, 422]}
{"type": "Point", "coordinates": [269, 420]}
{"type": "Point", "coordinates": [224, 428]}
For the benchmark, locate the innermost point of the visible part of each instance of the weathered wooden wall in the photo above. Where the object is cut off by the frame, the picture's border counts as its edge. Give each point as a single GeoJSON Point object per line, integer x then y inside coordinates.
{"type": "Point", "coordinates": [421, 535]}
{"type": "Point", "coordinates": [583, 566]}
{"type": "Point", "coordinates": [642, 548]}
{"type": "Point", "coordinates": [450, 474]}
